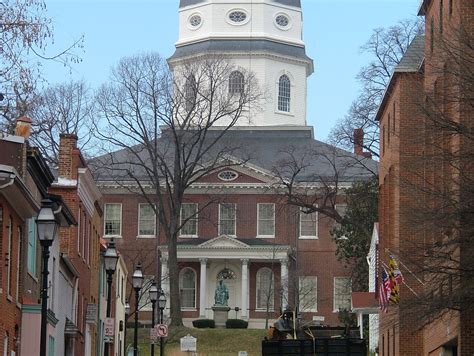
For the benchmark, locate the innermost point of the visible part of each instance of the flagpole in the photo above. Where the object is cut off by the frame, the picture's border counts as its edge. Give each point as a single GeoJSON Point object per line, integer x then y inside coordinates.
{"type": "Point", "coordinates": [404, 266]}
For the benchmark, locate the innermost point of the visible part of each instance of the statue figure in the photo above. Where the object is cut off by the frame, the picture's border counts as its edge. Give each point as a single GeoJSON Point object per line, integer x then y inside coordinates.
{"type": "Point", "coordinates": [221, 296]}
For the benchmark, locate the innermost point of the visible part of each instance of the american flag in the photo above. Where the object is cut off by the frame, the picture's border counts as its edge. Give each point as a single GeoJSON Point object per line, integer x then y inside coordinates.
{"type": "Point", "coordinates": [384, 291]}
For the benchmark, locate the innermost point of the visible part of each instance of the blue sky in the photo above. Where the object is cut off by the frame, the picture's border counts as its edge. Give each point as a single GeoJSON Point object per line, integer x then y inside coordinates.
{"type": "Point", "coordinates": [334, 30]}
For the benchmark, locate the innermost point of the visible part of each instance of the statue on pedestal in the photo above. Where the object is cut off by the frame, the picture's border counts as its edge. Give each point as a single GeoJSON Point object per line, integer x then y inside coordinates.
{"type": "Point", "coordinates": [221, 296]}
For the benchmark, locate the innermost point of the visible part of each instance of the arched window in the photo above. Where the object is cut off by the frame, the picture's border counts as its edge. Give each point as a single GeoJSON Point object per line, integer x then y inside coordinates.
{"type": "Point", "coordinates": [284, 93]}
{"type": "Point", "coordinates": [236, 83]}
{"type": "Point", "coordinates": [265, 288]}
{"type": "Point", "coordinates": [187, 287]}
{"type": "Point", "coordinates": [190, 93]}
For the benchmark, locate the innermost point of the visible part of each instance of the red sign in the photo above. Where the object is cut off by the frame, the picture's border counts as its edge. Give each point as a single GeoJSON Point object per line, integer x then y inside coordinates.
{"type": "Point", "coordinates": [162, 330]}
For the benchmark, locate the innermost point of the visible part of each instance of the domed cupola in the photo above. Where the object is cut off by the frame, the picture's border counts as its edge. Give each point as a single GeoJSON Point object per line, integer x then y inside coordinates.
{"type": "Point", "coordinates": [263, 36]}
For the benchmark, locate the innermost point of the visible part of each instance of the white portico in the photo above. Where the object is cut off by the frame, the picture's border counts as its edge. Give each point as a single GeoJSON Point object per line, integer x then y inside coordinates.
{"type": "Point", "coordinates": [230, 259]}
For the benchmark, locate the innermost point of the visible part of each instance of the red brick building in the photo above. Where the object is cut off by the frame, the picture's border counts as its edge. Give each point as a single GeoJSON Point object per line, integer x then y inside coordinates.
{"type": "Point", "coordinates": [427, 97]}
{"type": "Point", "coordinates": [81, 243]}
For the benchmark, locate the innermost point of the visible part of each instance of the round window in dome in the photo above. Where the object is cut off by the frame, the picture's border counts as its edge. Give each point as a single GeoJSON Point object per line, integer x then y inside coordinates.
{"type": "Point", "coordinates": [282, 21]}
{"type": "Point", "coordinates": [237, 16]}
{"type": "Point", "coordinates": [195, 21]}
{"type": "Point", "coordinates": [227, 175]}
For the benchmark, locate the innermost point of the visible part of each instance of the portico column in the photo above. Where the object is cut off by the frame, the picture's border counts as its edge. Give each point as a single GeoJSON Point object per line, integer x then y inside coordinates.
{"type": "Point", "coordinates": [284, 282]}
{"type": "Point", "coordinates": [202, 288]}
{"type": "Point", "coordinates": [165, 283]}
{"type": "Point", "coordinates": [245, 291]}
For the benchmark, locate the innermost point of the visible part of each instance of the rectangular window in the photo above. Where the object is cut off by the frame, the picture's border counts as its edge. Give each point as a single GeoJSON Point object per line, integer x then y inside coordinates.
{"type": "Point", "coordinates": [79, 231]}
{"type": "Point", "coordinates": [51, 346]}
{"type": "Point", "coordinates": [113, 220]}
{"type": "Point", "coordinates": [189, 220]}
{"type": "Point", "coordinates": [146, 220]}
{"type": "Point", "coordinates": [144, 303]}
{"type": "Point", "coordinates": [342, 293]}
{"type": "Point", "coordinates": [266, 220]}
{"type": "Point", "coordinates": [308, 293]}
{"type": "Point", "coordinates": [341, 210]}
{"type": "Point", "coordinates": [227, 214]}
{"type": "Point", "coordinates": [308, 225]}
{"type": "Point", "coordinates": [18, 260]}
{"type": "Point", "coordinates": [32, 239]}
{"type": "Point", "coordinates": [9, 257]}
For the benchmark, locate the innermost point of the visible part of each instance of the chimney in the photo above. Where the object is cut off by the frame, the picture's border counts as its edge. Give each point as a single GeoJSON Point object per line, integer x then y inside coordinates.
{"type": "Point", "coordinates": [359, 144]}
{"type": "Point", "coordinates": [23, 127]}
{"type": "Point", "coordinates": [67, 144]}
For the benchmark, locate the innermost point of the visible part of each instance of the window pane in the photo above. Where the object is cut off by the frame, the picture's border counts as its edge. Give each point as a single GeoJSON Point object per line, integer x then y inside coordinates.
{"type": "Point", "coordinates": [189, 211]}
{"type": "Point", "coordinates": [32, 246]}
{"type": "Point", "coordinates": [284, 93]}
{"type": "Point", "coordinates": [308, 294]}
{"type": "Point", "coordinates": [112, 219]}
{"type": "Point", "coordinates": [236, 83]}
{"type": "Point", "coordinates": [144, 302]}
{"type": "Point", "coordinates": [227, 219]}
{"type": "Point", "coordinates": [266, 219]}
{"type": "Point", "coordinates": [265, 288]}
{"type": "Point", "coordinates": [342, 293]}
{"type": "Point", "coordinates": [187, 286]}
{"type": "Point", "coordinates": [147, 220]}
{"type": "Point", "coordinates": [308, 224]}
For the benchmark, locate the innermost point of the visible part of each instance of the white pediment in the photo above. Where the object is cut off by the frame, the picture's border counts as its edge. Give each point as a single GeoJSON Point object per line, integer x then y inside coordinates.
{"type": "Point", "coordinates": [224, 241]}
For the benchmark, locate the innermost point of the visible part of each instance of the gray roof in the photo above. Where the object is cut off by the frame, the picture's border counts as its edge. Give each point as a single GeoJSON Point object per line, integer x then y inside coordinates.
{"type": "Point", "coordinates": [295, 3]}
{"type": "Point", "coordinates": [242, 45]}
{"type": "Point", "coordinates": [270, 149]}
{"type": "Point", "coordinates": [411, 62]}
{"type": "Point", "coordinates": [413, 57]}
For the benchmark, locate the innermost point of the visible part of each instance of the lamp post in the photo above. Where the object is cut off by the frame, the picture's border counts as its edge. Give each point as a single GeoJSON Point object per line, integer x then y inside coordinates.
{"type": "Point", "coordinates": [46, 226]}
{"type": "Point", "coordinates": [153, 292]}
{"type": "Point", "coordinates": [137, 281]}
{"type": "Point", "coordinates": [110, 262]}
{"type": "Point", "coordinates": [161, 306]}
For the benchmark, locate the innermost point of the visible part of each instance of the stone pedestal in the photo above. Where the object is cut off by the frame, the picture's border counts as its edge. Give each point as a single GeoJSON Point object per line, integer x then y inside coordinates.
{"type": "Point", "coordinates": [221, 314]}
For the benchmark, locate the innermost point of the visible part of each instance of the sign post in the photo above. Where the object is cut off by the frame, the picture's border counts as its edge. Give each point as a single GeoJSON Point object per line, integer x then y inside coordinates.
{"type": "Point", "coordinates": [109, 330]}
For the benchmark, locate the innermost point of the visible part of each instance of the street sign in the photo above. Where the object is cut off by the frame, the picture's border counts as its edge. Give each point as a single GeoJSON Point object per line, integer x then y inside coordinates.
{"type": "Point", "coordinates": [188, 343]}
{"type": "Point", "coordinates": [154, 335]}
{"type": "Point", "coordinates": [109, 327]}
{"type": "Point", "coordinates": [162, 330]}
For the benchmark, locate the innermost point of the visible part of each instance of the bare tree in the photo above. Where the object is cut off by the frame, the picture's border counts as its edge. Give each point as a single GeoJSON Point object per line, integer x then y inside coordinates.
{"type": "Point", "coordinates": [63, 108]}
{"type": "Point", "coordinates": [170, 131]}
{"type": "Point", "coordinates": [386, 46]}
{"type": "Point", "coordinates": [25, 32]}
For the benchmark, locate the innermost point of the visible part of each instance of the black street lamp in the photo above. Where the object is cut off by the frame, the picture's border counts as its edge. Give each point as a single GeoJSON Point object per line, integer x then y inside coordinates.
{"type": "Point", "coordinates": [110, 262]}
{"type": "Point", "coordinates": [46, 226]}
{"type": "Point", "coordinates": [137, 281]}
{"type": "Point", "coordinates": [161, 306]}
{"type": "Point", "coordinates": [153, 292]}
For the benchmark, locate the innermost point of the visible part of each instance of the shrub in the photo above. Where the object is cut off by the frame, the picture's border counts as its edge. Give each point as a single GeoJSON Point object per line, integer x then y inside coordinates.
{"type": "Point", "coordinates": [236, 324]}
{"type": "Point", "coordinates": [204, 323]}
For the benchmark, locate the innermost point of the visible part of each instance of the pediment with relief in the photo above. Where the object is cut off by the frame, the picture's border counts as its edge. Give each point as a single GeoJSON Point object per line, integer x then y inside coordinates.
{"type": "Point", "coordinates": [224, 242]}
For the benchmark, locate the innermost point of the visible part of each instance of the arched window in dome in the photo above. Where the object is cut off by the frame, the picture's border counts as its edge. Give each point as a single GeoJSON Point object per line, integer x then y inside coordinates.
{"type": "Point", "coordinates": [187, 288]}
{"type": "Point", "coordinates": [265, 288]}
{"type": "Point", "coordinates": [190, 93]}
{"type": "Point", "coordinates": [236, 83]}
{"type": "Point", "coordinates": [284, 93]}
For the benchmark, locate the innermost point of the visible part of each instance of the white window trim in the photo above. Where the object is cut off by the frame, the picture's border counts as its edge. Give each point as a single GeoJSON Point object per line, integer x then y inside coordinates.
{"type": "Point", "coordinates": [312, 310]}
{"type": "Point", "coordinates": [196, 216]}
{"type": "Point", "coordinates": [195, 288]}
{"type": "Point", "coordinates": [140, 236]}
{"type": "Point", "coordinates": [308, 237]}
{"type": "Point", "coordinates": [258, 222]}
{"type": "Point", "coordinates": [256, 294]}
{"type": "Point", "coordinates": [235, 220]}
{"type": "Point", "coordinates": [334, 292]}
{"type": "Point", "coordinates": [119, 236]}
{"type": "Point", "coordinates": [283, 28]}
{"type": "Point", "coordinates": [230, 22]}
{"type": "Point", "coordinates": [10, 259]}
{"type": "Point", "coordinates": [292, 93]}
{"type": "Point", "coordinates": [18, 260]}
{"type": "Point", "coordinates": [188, 22]}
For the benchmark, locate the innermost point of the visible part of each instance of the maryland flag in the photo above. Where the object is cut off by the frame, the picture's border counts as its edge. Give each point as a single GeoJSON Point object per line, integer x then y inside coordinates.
{"type": "Point", "coordinates": [396, 278]}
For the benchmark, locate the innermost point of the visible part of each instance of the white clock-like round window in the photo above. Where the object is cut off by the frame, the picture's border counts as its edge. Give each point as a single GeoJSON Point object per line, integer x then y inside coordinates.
{"type": "Point", "coordinates": [237, 16]}
{"type": "Point", "coordinates": [282, 20]}
{"type": "Point", "coordinates": [195, 21]}
{"type": "Point", "coordinates": [227, 175]}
